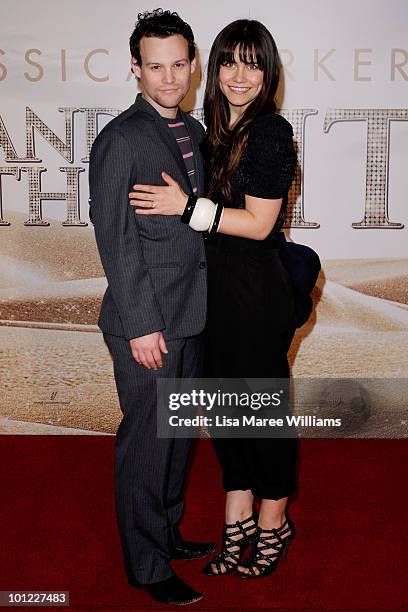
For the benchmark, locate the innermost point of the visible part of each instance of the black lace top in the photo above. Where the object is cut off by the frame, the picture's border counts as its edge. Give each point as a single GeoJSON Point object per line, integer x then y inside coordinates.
{"type": "Point", "coordinates": [267, 167]}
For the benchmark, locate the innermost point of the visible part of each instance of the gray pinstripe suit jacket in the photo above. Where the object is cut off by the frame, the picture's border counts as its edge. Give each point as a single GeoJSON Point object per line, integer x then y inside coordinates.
{"type": "Point", "coordinates": [155, 265]}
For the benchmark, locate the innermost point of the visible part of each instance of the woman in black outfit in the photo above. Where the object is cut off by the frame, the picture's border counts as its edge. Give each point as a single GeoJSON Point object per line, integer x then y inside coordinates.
{"type": "Point", "coordinates": [250, 163]}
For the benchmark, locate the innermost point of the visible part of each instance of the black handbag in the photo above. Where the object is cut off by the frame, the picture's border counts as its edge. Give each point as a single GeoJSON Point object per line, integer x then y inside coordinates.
{"type": "Point", "coordinates": [303, 265]}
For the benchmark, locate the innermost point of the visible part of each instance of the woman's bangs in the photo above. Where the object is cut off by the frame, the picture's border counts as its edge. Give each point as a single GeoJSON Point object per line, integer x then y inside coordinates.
{"type": "Point", "coordinates": [249, 52]}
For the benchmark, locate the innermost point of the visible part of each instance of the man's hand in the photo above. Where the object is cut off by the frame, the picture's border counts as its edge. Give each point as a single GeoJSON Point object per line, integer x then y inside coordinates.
{"type": "Point", "coordinates": [147, 350]}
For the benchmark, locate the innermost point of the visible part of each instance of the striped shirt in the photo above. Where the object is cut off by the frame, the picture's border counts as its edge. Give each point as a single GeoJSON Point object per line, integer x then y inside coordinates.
{"type": "Point", "coordinates": [180, 132]}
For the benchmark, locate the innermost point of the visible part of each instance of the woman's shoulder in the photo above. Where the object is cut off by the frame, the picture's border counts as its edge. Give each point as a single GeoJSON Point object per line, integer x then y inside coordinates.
{"type": "Point", "coordinates": [269, 124]}
{"type": "Point", "coordinates": [270, 156]}
{"type": "Point", "coordinates": [269, 135]}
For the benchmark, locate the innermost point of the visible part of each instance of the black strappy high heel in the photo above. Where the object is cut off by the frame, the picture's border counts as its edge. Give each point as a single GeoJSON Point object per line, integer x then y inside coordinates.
{"type": "Point", "coordinates": [232, 550]}
{"type": "Point", "coordinates": [276, 541]}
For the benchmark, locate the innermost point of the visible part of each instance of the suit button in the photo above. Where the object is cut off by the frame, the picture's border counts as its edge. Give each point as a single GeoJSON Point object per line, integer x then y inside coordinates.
{"type": "Point", "coordinates": [202, 265]}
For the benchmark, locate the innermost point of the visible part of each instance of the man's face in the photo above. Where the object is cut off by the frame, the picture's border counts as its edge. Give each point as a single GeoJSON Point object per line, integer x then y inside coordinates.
{"type": "Point", "coordinates": [165, 73]}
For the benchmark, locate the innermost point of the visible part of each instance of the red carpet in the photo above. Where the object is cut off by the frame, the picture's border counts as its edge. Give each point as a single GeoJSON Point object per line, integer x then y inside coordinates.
{"type": "Point", "coordinates": [58, 529]}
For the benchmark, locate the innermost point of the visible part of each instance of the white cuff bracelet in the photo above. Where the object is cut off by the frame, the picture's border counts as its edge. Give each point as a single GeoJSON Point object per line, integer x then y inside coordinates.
{"type": "Point", "coordinates": [203, 215]}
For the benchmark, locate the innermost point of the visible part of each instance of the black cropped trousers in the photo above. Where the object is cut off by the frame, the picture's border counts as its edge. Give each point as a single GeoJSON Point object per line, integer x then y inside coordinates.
{"type": "Point", "coordinates": [249, 329]}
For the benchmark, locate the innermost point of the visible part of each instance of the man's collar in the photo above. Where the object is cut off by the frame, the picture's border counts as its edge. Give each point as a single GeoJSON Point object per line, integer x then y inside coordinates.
{"type": "Point", "coordinates": [146, 107]}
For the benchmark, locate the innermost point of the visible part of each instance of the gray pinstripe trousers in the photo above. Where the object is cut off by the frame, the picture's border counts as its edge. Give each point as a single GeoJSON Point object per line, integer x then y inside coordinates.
{"type": "Point", "coordinates": [149, 472]}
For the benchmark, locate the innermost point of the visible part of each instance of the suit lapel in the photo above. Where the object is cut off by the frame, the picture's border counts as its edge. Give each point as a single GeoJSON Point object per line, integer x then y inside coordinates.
{"type": "Point", "coordinates": [198, 158]}
{"type": "Point", "coordinates": [168, 139]}
{"type": "Point", "coordinates": [170, 142]}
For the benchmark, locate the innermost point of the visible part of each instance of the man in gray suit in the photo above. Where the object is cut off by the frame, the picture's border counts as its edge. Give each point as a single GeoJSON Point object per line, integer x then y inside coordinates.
{"type": "Point", "coordinates": [154, 309]}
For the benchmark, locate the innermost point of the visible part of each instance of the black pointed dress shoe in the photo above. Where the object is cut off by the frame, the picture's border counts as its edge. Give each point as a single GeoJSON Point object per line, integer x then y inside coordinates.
{"type": "Point", "coordinates": [184, 549]}
{"type": "Point", "coordinates": [173, 590]}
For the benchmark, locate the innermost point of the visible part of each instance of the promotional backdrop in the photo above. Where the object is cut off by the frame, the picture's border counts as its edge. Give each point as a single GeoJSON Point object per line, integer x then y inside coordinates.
{"type": "Point", "coordinates": [64, 73]}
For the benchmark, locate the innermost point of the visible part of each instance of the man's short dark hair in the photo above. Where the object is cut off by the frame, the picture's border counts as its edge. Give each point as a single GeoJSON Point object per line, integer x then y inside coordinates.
{"type": "Point", "coordinates": [160, 24]}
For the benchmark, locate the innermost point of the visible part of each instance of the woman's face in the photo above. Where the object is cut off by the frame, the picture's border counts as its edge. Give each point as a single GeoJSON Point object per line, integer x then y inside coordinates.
{"type": "Point", "coordinates": [240, 83]}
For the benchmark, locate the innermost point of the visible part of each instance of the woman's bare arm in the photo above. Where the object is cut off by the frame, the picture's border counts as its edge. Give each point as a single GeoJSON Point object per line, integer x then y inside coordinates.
{"type": "Point", "coordinates": [255, 221]}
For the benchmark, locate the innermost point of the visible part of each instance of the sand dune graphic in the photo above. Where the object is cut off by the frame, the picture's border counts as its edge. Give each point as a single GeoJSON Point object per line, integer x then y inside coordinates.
{"type": "Point", "coordinates": [14, 273]}
{"type": "Point", "coordinates": [75, 302]}
{"type": "Point", "coordinates": [78, 301]}
{"type": "Point", "coordinates": [56, 252]}
{"type": "Point", "coordinates": [341, 307]}
{"type": "Point", "coordinates": [87, 287]}
{"type": "Point", "coordinates": [50, 274]}
{"type": "Point", "coordinates": [384, 278]}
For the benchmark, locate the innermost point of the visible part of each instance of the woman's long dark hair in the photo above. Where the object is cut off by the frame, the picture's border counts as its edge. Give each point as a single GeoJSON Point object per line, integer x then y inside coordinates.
{"type": "Point", "coordinates": [226, 145]}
